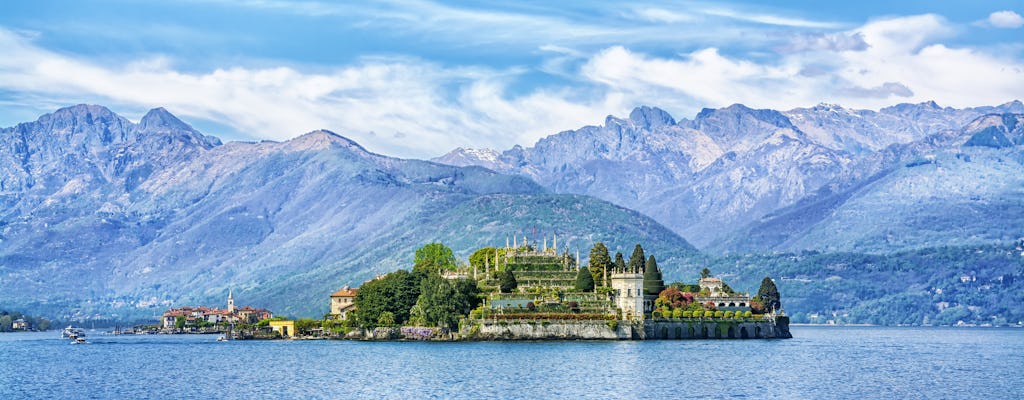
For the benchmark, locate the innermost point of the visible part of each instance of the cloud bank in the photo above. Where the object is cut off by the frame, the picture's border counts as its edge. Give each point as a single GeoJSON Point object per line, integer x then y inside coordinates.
{"type": "Point", "coordinates": [413, 107]}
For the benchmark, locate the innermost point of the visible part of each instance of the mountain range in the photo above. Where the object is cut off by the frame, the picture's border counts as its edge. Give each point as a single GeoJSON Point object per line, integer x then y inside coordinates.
{"type": "Point", "coordinates": [736, 180]}
{"type": "Point", "coordinates": [104, 217]}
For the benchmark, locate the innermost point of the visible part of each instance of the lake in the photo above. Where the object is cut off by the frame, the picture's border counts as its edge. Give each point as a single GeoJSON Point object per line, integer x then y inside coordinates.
{"type": "Point", "coordinates": [819, 362]}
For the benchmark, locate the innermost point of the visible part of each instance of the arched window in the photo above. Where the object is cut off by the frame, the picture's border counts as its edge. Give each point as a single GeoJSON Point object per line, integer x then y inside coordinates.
{"type": "Point", "coordinates": [743, 304]}
{"type": "Point", "coordinates": [721, 304]}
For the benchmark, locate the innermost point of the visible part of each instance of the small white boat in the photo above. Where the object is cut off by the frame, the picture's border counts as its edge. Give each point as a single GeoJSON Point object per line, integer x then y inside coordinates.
{"type": "Point", "coordinates": [72, 333]}
{"type": "Point", "coordinates": [222, 338]}
{"type": "Point", "coordinates": [78, 340]}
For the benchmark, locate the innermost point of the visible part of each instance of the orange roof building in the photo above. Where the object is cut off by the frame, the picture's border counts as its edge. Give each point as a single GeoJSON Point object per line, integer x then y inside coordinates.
{"type": "Point", "coordinates": [343, 301]}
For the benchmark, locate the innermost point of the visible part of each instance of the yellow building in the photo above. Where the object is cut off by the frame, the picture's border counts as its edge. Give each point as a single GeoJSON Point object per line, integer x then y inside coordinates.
{"type": "Point", "coordinates": [285, 328]}
{"type": "Point", "coordinates": [343, 301]}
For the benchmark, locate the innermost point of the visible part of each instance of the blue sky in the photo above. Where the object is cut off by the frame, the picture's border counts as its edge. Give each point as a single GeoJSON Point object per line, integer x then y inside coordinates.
{"type": "Point", "coordinates": [418, 78]}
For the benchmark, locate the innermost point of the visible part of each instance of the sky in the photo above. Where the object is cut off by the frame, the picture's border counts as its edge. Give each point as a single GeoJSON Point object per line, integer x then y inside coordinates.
{"type": "Point", "coordinates": [417, 78]}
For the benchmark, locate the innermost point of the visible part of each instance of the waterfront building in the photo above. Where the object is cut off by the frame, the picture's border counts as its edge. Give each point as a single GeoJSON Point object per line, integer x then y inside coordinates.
{"type": "Point", "coordinates": [285, 327]}
{"type": "Point", "coordinates": [343, 301]}
{"type": "Point", "coordinates": [713, 292]}
{"type": "Point", "coordinates": [233, 314]}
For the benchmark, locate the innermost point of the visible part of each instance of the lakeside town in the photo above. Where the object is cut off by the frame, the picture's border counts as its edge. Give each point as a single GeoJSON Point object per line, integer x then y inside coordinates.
{"type": "Point", "coordinates": [523, 290]}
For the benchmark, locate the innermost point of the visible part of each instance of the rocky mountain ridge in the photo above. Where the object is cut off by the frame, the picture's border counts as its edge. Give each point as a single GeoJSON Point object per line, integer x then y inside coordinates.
{"type": "Point", "coordinates": [712, 177]}
{"type": "Point", "coordinates": [104, 217]}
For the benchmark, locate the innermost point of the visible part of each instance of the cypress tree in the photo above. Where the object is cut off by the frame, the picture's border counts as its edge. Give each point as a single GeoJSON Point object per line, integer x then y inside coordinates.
{"type": "Point", "coordinates": [507, 282]}
{"type": "Point", "coordinates": [769, 294]}
{"type": "Point", "coordinates": [620, 263]}
{"type": "Point", "coordinates": [599, 262]}
{"type": "Point", "coordinates": [653, 282]}
{"type": "Point", "coordinates": [584, 281]}
{"type": "Point", "coordinates": [636, 261]}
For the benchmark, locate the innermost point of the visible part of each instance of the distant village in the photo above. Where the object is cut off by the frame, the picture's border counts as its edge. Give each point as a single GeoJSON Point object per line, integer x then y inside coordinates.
{"type": "Point", "coordinates": [519, 291]}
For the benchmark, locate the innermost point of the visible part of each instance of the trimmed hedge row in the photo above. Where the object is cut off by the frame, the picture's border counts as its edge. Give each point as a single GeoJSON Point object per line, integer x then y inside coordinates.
{"type": "Point", "coordinates": [552, 316]}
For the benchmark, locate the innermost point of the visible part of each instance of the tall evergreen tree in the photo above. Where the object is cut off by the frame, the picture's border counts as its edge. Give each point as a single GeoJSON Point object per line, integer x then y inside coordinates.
{"type": "Point", "coordinates": [620, 263]}
{"type": "Point", "coordinates": [599, 263]}
{"type": "Point", "coordinates": [584, 281]}
{"type": "Point", "coordinates": [705, 273]}
{"type": "Point", "coordinates": [769, 294]}
{"type": "Point", "coordinates": [636, 261]}
{"type": "Point", "coordinates": [653, 282]}
{"type": "Point", "coordinates": [507, 281]}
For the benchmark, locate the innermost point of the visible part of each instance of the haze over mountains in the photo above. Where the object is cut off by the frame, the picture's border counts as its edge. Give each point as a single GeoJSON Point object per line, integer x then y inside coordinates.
{"type": "Point", "coordinates": [822, 178]}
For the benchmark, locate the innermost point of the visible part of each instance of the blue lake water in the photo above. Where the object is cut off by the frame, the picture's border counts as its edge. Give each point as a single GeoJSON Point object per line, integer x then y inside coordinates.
{"type": "Point", "coordinates": [820, 362]}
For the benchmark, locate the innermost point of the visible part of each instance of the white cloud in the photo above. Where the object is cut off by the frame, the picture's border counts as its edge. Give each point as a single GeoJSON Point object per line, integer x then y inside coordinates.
{"type": "Point", "coordinates": [413, 108]}
{"type": "Point", "coordinates": [900, 60]}
{"type": "Point", "coordinates": [1006, 19]}
{"type": "Point", "coordinates": [769, 19]}
{"type": "Point", "coordinates": [661, 15]}
{"type": "Point", "coordinates": [385, 96]}
{"type": "Point", "coordinates": [840, 41]}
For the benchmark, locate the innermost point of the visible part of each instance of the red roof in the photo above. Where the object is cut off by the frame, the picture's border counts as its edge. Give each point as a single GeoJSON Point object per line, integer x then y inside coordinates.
{"type": "Point", "coordinates": [345, 292]}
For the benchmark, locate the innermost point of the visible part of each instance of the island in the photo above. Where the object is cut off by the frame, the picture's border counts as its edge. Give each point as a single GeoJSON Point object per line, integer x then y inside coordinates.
{"type": "Point", "coordinates": [523, 291]}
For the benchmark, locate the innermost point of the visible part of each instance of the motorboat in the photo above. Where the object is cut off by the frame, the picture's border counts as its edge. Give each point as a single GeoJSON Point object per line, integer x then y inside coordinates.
{"type": "Point", "coordinates": [72, 333]}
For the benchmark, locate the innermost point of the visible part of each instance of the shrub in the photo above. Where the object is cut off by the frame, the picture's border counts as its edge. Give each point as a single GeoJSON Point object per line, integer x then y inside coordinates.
{"type": "Point", "coordinates": [728, 314]}
{"type": "Point", "coordinates": [708, 314]}
{"type": "Point", "coordinates": [530, 306]}
{"type": "Point", "coordinates": [656, 314]}
{"type": "Point", "coordinates": [748, 314]}
{"type": "Point", "coordinates": [387, 318]}
{"type": "Point", "coordinates": [687, 314]}
{"type": "Point", "coordinates": [719, 314]}
{"type": "Point", "coordinates": [677, 313]}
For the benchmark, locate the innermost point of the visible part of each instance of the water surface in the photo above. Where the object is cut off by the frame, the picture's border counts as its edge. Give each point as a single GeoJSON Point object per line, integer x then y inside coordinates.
{"type": "Point", "coordinates": [820, 362]}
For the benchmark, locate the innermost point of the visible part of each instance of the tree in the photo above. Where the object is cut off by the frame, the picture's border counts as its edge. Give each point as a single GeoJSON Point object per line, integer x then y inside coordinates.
{"type": "Point", "coordinates": [179, 322]}
{"type": "Point", "coordinates": [507, 282]}
{"type": "Point", "coordinates": [653, 283]}
{"type": "Point", "coordinates": [584, 281]}
{"type": "Point", "coordinates": [396, 293]}
{"type": "Point", "coordinates": [434, 257]}
{"type": "Point", "coordinates": [768, 294]}
{"type": "Point", "coordinates": [442, 302]}
{"type": "Point", "coordinates": [620, 264]}
{"type": "Point", "coordinates": [305, 326]}
{"type": "Point", "coordinates": [599, 263]}
{"type": "Point", "coordinates": [672, 297]}
{"type": "Point", "coordinates": [486, 257]}
{"type": "Point", "coordinates": [387, 318]}
{"type": "Point", "coordinates": [637, 260]}
{"type": "Point", "coordinates": [705, 273]}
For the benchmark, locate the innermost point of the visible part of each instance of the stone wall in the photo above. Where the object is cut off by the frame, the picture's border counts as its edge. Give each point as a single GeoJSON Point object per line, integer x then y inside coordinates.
{"type": "Point", "coordinates": [555, 330]}
{"type": "Point", "coordinates": [588, 330]}
{"type": "Point", "coordinates": [654, 330]}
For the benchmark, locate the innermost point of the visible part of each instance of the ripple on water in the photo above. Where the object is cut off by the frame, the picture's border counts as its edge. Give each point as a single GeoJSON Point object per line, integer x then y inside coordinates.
{"type": "Point", "coordinates": [818, 363]}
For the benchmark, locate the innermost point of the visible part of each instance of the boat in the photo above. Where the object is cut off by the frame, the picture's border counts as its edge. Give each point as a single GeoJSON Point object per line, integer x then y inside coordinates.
{"type": "Point", "coordinates": [72, 333]}
{"type": "Point", "coordinates": [78, 340]}
{"type": "Point", "coordinates": [222, 338]}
